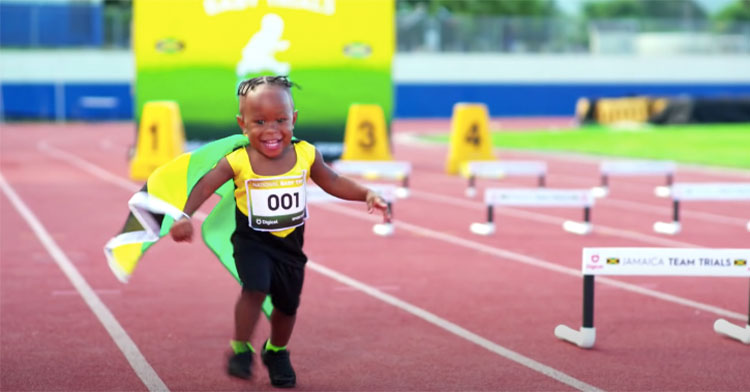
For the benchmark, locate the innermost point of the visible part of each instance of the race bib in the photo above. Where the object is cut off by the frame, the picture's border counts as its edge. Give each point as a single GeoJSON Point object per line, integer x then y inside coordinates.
{"type": "Point", "coordinates": [276, 203]}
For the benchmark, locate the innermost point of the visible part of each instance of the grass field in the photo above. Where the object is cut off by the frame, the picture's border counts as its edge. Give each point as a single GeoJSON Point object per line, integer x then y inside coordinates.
{"type": "Point", "coordinates": [725, 145]}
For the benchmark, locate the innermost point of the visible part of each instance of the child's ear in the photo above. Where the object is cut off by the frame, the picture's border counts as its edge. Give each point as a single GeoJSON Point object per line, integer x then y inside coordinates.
{"type": "Point", "coordinates": [240, 123]}
{"type": "Point", "coordinates": [294, 118]}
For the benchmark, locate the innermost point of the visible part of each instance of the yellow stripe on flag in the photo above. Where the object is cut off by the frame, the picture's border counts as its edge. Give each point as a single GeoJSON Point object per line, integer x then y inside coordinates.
{"type": "Point", "coordinates": [125, 258]}
{"type": "Point", "coordinates": [169, 182]}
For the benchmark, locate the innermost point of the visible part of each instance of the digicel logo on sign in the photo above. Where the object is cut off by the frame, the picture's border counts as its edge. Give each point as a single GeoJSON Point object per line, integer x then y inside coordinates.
{"type": "Point", "coordinates": [594, 263]}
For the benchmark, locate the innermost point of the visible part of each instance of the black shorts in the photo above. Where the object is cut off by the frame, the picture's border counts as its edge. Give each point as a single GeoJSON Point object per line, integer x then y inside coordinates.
{"type": "Point", "coordinates": [270, 264]}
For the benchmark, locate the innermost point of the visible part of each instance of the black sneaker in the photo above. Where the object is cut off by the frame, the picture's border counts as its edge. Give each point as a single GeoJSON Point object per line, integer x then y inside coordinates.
{"type": "Point", "coordinates": [279, 366]}
{"type": "Point", "coordinates": [240, 365]}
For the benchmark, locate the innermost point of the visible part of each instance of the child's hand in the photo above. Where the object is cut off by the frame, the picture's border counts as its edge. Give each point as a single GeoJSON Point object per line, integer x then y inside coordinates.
{"type": "Point", "coordinates": [182, 230]}
{"type": "Point", "coordinates": [375, 201]}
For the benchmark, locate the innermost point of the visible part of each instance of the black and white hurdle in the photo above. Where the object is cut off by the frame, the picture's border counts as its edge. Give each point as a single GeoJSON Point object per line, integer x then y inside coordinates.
{"type": "Point", "coordinates": [500, 169]}
{"type": "Point", "coordinates": [375, 170]}
{"type": "Point", "coordinates": [707, 191]}
{"type": "Point", "coordinates": [535, 197]}
{"type": "Point", "coordinates": [656, 262]}
{"type": "Point", "coordinates": [316, 195]}
{"type": "Point", "coordinates": [608, 169]}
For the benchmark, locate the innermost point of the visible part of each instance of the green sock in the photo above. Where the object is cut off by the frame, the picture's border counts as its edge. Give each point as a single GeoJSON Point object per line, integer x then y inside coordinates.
{"type": "Point", "coordinates": [241, 347]}
{"type": "Point", "coordinates": [271, 347]}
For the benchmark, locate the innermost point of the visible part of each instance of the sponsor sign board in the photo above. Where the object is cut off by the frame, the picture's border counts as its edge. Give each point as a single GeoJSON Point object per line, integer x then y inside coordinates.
{"type": "Point", "coordinates": [535, 197]}
{"type": "Point", "coordinates": [507, 168]}
{"type": "Point", "coordinates": [711, 191]}
{"type": "Point", "coordinates": [637, 168]}
{"type": "Point", "coordinates": [666, 261]}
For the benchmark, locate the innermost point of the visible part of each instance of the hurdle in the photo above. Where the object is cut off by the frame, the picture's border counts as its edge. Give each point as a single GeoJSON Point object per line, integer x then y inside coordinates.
{"type": "Point", "coordinates": [608, 169]}
{"type": "Point", "coordinates": [656, 262]}
{"type": "Point", "coordinates": [706, 191]}
{"type": "Point", "coordinates": [534, 197]}
{"type": "Point", "coordinates": [373, 170]}
{"type": "Point", "coordinates": [317, 195]}
{"type": "Point", "coordinates": [499, 169]}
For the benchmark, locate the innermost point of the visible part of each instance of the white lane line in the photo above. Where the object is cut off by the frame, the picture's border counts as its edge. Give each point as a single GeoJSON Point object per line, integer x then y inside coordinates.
{"type": "Point", "coordinates": [412, 309]}
{"type": "Point", "coordinates": [126, 345]}
{"type": "Point", "coordinates": [533, 261]}
{"type": "Point", "coordinates": [454, 329]}
{"type": "Point", "coordinates": [91, 168]}
{"type": "Point", "coordinates": [96, 170]}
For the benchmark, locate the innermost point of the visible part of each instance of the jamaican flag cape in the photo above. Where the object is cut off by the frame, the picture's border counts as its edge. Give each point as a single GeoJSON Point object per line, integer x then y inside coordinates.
{"type": "Point", "coordinates": [160, 202]}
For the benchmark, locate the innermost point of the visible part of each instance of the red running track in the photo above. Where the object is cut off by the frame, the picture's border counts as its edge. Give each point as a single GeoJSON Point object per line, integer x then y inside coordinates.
{"type": "Point", "coordinates": [433, 307]}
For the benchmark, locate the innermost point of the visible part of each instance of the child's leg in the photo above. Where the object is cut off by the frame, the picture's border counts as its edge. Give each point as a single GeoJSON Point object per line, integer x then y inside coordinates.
{"type": "Point", "coordinates": [286, 287]}
{"type": "Point", "coordinates": [246, 313]}
{"type": "Point", "coordinates": [254, 270]}
{"type": "Point", "coordinates": [281, 328]}
{"type": "Point", "coordinates": [274, 353]}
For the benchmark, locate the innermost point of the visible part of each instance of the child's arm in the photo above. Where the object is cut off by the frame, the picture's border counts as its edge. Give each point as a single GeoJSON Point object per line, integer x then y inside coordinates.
{"type": "Point", "coordinates": [182, 230]}
{"type": "Point", "coordinates": [343, 187]}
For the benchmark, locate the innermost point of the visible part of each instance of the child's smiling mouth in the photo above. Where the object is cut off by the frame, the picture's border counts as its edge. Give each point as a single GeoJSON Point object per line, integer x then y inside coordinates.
{"type": "Point", "coordinates": [271, 144]}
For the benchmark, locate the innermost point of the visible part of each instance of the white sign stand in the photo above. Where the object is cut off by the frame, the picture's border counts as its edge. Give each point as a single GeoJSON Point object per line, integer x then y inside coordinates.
{"type": "Point", "coordinates": [656, 262]}
{"type": "Point", "coordinates": [534, 197]}
{"type": "Point", "coordinates": [634, 168]}
{"type": "Point", "coordinates": [499, 169]}
{"type": "Point", "coordinates": [701, 191]}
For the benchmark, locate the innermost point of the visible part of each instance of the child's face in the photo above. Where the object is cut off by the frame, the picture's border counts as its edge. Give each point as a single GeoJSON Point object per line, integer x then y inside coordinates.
{"type": "Point", "coordinates": [267, 117]}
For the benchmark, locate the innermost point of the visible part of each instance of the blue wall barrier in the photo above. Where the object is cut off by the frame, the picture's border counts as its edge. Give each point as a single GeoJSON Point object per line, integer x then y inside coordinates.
{"type": "Point", "coordinates": [28, 101]}
{"type": "Point", "coordinates": [437, 100]}
{"type": "Point", "coordinates": [71, 101]}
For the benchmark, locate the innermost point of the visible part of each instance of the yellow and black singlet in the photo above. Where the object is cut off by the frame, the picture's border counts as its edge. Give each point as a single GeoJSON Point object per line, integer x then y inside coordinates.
{"type": "Point", "coordinates": [271, 210]}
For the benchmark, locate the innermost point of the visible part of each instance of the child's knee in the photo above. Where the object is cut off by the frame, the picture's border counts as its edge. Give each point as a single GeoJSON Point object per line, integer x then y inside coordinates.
{"type": "Point", "coordinates": [286, 306]}
{"type": "Point", "coordinates": [253, 295]}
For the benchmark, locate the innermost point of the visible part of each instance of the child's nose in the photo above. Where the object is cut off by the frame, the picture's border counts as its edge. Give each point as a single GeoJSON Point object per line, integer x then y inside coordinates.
{"type": "Point", "coordinates": [272, 127]}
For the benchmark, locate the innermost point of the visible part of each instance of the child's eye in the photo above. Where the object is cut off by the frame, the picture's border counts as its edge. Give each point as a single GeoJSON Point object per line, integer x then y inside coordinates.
{"type": "Point", "coordinates": [281, 120]}
{"type": "Point", "coordinates": [260, 122]}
